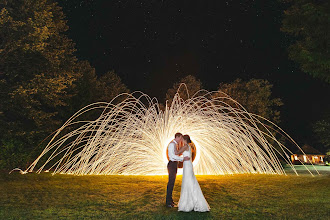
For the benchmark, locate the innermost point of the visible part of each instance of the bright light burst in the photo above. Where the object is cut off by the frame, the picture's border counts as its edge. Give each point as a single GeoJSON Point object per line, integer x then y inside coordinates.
{"type": "Point", "coordinates": [131, 138]}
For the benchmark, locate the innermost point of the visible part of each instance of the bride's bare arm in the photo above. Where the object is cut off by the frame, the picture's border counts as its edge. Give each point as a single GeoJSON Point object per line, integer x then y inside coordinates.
{"type": "Point", "coordinates": [180, 151]}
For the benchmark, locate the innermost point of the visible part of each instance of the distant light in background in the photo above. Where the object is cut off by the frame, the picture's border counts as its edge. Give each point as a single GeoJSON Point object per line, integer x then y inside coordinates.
{"type": "Point", "coordinates": [305, 158]}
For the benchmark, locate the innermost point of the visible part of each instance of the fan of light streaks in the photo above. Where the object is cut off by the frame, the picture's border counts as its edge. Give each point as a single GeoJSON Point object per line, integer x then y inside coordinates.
{"type": "Point", "coordinates": [131, 138]}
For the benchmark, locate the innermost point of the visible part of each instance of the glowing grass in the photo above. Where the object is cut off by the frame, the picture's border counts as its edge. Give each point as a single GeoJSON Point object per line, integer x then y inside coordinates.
{"type": "Point", "coordinates": [131, 138]}
{"type": "Point", "coordinates": [43, 196]}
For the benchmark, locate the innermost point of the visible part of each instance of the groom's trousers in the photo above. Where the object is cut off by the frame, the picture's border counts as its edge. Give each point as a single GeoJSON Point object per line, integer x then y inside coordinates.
{"type": "Point", "coordinates": [172, 168]}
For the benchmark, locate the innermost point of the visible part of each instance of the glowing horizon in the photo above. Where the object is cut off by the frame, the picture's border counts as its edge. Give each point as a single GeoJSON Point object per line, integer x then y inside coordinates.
{"type": "Point", "coordinates": [131, 137]}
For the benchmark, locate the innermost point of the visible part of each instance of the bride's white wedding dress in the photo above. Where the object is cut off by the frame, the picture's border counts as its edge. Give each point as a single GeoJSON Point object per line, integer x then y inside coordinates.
{"type": "Point", "coordinates": [191, 197]}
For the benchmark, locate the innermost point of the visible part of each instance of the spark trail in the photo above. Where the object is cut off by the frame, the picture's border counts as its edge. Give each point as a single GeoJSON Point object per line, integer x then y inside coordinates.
{"type": "Point", "coordinates": [131, 138]}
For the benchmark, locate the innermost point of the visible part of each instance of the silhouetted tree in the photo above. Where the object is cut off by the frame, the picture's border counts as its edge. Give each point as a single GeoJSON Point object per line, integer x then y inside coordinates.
{"type": "Point", "coordinates": [192, 84]}
{"type": "Point", "coordinates": [322, 132]}
{"type": "Point", "coordinates": [109, 86]}
{"type": "Point", "coordinates": [36, 66]}
{"type": "Point", "coordinates": [308, 21]}
{"type": "Point", "coordinates": [89, 88]}
{"type": "Point", "coordinates": [255, 96]}
{"type": "Point", "coordinates": [41, 82]}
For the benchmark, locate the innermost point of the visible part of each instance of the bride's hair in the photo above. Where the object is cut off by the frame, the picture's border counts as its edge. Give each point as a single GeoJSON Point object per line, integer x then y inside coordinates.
{"type": "Point", "coordinates": [187, 138]}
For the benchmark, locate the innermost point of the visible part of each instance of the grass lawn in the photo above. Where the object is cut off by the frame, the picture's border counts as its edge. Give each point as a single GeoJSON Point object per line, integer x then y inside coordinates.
{"type": "Point", "coordinates": [43, 196]}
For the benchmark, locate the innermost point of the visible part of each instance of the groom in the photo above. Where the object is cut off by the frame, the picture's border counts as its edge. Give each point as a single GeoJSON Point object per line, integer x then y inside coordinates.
{"type": "Point", "coordinates": [172, 167]}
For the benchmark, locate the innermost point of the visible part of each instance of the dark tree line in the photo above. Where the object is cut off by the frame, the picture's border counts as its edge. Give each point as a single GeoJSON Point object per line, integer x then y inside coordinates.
{"type": "Point", "coordinates": [42, 83]}
{"type": "Point", "coordinates": [308, 21]}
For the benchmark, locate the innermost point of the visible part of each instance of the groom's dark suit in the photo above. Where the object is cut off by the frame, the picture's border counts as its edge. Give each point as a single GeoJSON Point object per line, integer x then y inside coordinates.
{"type": "Point", "coordinates": [172, 168]}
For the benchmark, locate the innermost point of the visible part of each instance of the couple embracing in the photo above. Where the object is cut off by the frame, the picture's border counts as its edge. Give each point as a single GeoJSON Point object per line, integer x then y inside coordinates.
{"type": "Point", "coordinates": [191, 197]}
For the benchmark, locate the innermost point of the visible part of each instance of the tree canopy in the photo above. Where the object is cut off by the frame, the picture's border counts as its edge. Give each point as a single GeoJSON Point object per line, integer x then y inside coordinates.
{"type": "Point", "coordinates": [192, 84]}
{"type": "Point", "coordinates": [36, 66]}
{"type": "Point", "coordinates": [309, 22]}
{"type": "Point", "coordinates": [322, 132]}
{"type": "Point", "coordinates": [255, 96]}
{"type": "Point", "coordinates": [41, 81]}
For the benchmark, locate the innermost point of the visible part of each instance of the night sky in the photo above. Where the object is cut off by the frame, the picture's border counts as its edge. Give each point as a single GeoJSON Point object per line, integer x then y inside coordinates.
{"type": "Point", "coordinates": [152, 44]}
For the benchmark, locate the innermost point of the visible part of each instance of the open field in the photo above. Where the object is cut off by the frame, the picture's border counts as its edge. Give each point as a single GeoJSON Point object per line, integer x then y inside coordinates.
{"type": "Point", "coordinates": [43, 196]}
{"type": "Point", "coordinates": [301, 169]}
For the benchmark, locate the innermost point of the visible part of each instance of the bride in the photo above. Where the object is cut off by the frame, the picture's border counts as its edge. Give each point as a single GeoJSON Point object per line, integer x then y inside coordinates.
{"type": "Point", "coordinates": [191, 197]}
